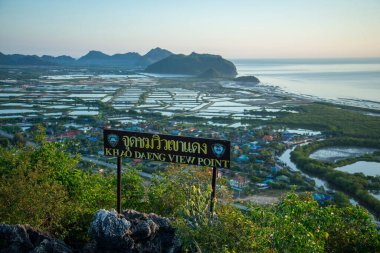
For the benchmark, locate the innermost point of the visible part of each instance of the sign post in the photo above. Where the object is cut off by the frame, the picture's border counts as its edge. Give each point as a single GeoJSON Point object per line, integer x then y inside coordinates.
{"type": "Point", "coordinates": [167, 148]}
{"type": "Point", "coordinates": [213, 193]}
{"type": "Point", "coordinates": [119, 184]}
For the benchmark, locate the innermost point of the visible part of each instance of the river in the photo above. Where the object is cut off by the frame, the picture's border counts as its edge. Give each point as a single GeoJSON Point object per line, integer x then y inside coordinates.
{"type": "Point", "coordinates": [285, 158]}
{"type": "Point", "coordinates": [353, 168]}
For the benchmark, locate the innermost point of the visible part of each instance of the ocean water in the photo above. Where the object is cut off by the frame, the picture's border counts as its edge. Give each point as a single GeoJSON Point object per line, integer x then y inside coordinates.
{"type": "Point", "coordinates": [332, 79]}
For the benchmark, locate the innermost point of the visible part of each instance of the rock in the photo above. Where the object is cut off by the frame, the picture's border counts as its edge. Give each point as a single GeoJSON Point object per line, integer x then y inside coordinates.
{"type": "Point", "coordinates": [23, 238]}
{"type": "Point", "coordinates": [51, 246]}
{"type": "Point", "coordinates": [131, 232]}
{"type": "Point", "coordinates": [110, 231]}
{"type": "Point", "coordinates": [247, 79]}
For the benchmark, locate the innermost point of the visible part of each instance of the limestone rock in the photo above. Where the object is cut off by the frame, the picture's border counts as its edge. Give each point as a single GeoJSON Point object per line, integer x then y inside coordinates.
{"type": "Point", "coordinates": [23, 238]}
{"type": "Point", "coordinates": [131, 232]}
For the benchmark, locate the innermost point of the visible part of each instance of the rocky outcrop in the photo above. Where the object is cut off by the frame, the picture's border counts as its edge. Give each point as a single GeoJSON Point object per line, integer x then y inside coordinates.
{"type": "Point", "coordinates": [23, 238]}
{"type": "Point", "coordinates": [131, 232]}
{"type": "Point", "coordinates": [247, 79]}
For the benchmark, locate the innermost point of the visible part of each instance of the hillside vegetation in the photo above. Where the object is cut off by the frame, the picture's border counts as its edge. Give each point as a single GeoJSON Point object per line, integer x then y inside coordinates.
{"type": "Point", "coordinates": [338, 121]}
{"type": "Point", "coordinates": [194, 64]}
{"type": "Point", "coordinates": [45, 188]}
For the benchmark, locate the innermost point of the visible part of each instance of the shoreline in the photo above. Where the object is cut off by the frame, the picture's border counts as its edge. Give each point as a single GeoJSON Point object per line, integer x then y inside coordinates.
{"type": "Point", "coordinates": [277, 90]}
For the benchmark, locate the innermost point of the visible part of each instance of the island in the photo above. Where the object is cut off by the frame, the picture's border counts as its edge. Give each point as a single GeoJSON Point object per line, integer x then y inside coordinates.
{"type": "Point", "coordinates": [247, 79]}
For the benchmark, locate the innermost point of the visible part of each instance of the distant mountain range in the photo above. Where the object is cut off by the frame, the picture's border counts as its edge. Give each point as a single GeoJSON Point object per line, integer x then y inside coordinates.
{"type": "Point", "coordinates": [92, 58]}
{"type": "Point", "coordinates": [155, 61]}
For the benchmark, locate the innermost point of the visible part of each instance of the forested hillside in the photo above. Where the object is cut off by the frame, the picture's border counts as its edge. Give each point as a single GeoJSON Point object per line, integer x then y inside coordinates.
{"type": "Point", "coordinates": [48, 189]}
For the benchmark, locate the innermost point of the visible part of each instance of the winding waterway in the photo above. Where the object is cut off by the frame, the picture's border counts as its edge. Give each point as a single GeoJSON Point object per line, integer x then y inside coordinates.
{"type": "Point", "coordinates": [285, 158]}
{"type": "Point", "coordinates": [367, 168]}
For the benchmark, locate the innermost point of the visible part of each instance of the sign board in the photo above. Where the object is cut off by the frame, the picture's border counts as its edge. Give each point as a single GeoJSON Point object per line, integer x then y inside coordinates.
{"type": "Point", "coordinates": [167, 148]}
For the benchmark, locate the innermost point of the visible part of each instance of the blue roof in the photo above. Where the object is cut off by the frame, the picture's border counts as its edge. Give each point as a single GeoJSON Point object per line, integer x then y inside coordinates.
{"type": "Point", "coordinates": [321, 198]}
{"type": "Point", "coordinates": [253, 146]}
{"type": "Point", "coordinates": [92, 138]}
{"type": "Point", "coordinates": [135, 129]}
{"type": "Point", "coordinates": [242, 158]}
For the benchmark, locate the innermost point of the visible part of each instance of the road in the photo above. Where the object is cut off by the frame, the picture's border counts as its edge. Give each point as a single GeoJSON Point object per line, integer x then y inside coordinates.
{"type": "Point", "coordinates": [111, 165]}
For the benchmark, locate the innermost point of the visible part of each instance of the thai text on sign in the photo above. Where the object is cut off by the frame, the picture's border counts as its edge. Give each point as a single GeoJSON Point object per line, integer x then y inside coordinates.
{"type": "Point", "coordinates": [167, 148]}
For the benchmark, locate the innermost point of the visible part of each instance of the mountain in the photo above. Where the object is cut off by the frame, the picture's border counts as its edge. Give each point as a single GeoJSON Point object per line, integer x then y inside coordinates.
{"type": "Point", "coordinates": [210, 73]}
{"type": "Point", "coordinates": [5, 60]}
{"type": "Point", "coordinates": [132, 59]}
{"type": "Point", "coordinates": [193, 64]}
{"type": "Point", "coordinates": [94, 58]}
{"type": "Point", "coordinates": [62, 60]}
{"type": "Point", "coordinates": [19, 59]}
{"type": "Point", "coordinates": [155, 55]}
{"type": "Point", "coordinates": [157, 60]}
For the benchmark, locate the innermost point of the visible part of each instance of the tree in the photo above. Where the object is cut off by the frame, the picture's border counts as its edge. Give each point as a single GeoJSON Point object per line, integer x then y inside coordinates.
{"type": "Point", "coordinates": [132, 189]}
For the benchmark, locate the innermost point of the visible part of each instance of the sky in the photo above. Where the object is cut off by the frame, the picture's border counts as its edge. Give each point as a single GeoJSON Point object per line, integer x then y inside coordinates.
{"type": "Point", "coordinates": [231, 28]}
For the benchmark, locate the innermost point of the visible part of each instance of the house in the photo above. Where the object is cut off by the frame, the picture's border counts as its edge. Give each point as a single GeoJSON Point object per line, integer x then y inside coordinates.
{"type": "Point", "coordinates": [275, 169]}
{"type": "Point", "coordinates": [267, 138]}
{"type": "Point", "coordinates": [68, 134]}
{"type": "Point", "coordinates": [321, 198]}
{"type": "Point", "coordinates": [254, 147]}
{"type": "Point", "coordinates": [91, 138]}
{"type": "Point", "coordinates": [175, 132]}
{"type": "Point", "coordinates": [242, 159]}
{"type": "Point", "coordinates": [268, 181]}
{"type": "Point", "coordinates": [262, 186]}
{"type": "Point", "coordinates": [238, 182]}
{"type": "Point", "coordinates": [287, 136]}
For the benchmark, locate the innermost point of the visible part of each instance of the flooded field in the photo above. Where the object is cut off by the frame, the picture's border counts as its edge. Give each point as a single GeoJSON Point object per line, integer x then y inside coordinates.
{"type": "Point", "coordinates": [367, 168]}
{"type": "Point", "coordinates": [84, 94]}
{"type": "Point", "coordinates": [335, 154]}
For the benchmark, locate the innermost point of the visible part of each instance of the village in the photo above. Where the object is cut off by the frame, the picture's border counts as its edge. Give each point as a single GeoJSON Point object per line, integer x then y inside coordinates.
{"type": "Point", "coordinates": [75, 108]}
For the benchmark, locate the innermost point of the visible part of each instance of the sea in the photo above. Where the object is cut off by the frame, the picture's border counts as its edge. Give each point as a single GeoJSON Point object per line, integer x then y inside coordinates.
{"type": "Point", "coordinates": [347, 81]}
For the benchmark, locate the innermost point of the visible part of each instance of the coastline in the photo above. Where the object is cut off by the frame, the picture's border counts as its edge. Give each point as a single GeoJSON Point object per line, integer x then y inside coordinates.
{"type": "Point", "coordinates": [277, 90]}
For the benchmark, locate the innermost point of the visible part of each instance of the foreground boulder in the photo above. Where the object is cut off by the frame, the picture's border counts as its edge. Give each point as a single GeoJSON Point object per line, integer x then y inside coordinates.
{"type": "Point", "coordinates": [23, 238]}
{"type": "Point", "coordinates": [131, 232]}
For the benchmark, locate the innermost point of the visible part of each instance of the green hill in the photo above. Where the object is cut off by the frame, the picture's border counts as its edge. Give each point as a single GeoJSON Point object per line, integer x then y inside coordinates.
{"type": "Point", "coordinates": [193, 64]}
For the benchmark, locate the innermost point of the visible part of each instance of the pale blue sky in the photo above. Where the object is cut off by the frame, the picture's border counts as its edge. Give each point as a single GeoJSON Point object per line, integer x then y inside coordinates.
{"type": "Point", "coordinates": [234, 28]}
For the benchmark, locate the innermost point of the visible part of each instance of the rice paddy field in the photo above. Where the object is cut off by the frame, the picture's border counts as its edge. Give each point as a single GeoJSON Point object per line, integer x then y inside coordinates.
{"type": "Point", "coordinates": [85, 94]}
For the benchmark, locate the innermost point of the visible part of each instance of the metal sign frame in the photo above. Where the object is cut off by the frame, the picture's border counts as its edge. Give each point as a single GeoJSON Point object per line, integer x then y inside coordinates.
{"type": "Point", "coordinates": [166, 148]}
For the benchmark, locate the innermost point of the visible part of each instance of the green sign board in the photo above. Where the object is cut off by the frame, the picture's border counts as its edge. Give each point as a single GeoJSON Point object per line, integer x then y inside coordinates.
{"type": "Point", "coordinates": [167, 148]}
